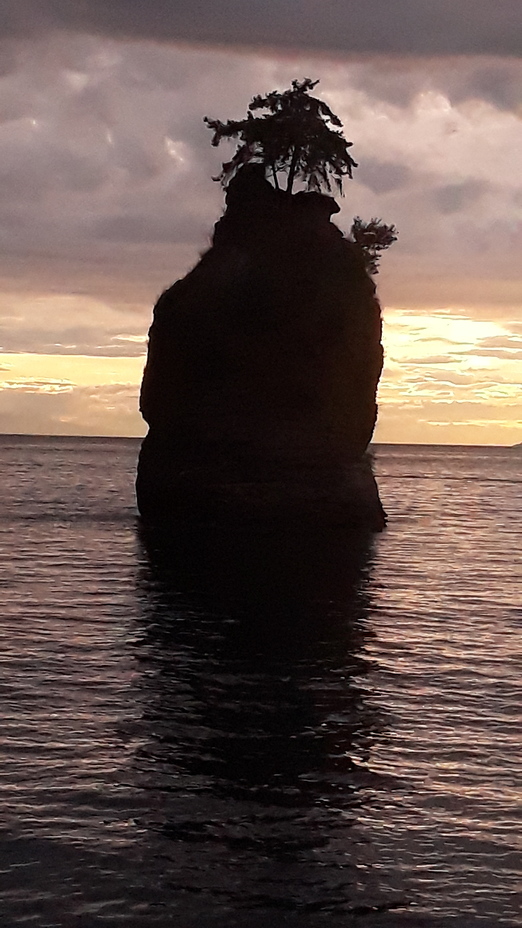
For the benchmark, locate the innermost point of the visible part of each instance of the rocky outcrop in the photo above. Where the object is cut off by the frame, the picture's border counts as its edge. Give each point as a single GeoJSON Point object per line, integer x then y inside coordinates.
{"type": "Point", "coordinates": [262, 370]}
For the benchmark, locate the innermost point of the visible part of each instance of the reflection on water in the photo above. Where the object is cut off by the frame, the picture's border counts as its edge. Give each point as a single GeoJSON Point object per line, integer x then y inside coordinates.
{"type": "Point", "coordinates": [251, 649]}
{"type": "Point", "coordinates": [259, 728]}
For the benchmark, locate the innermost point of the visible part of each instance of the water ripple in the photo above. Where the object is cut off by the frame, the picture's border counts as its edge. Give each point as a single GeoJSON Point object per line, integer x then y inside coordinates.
{"type": "Point", "coordinates": [293, 731]}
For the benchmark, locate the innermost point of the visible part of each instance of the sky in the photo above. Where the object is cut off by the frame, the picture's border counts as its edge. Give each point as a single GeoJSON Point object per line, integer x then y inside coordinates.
{"type": "Point", "coordinates": [106, 191]}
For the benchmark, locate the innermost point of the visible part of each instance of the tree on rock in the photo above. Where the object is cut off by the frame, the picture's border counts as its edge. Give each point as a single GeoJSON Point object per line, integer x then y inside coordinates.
{"type": "Point", "coordinates": [372, 237]}
{"type": "Point", "coordinates": [294, 138]}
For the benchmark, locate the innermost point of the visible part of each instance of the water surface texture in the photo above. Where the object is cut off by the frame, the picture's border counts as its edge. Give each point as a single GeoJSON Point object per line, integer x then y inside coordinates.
{"type": "Point", "coordinates": [276, 728]}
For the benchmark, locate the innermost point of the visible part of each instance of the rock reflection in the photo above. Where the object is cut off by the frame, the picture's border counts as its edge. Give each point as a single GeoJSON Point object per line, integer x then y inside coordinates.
{"type": "Point", "coordinates": [251, 647]}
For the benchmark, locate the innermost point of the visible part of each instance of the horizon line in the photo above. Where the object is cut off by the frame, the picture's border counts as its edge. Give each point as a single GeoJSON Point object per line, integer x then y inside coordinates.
{"type": "Point", "coordinates": [420, 444]}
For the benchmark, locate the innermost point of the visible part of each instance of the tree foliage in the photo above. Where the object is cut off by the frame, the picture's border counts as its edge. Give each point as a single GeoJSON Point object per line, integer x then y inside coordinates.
{"type": "Point", "coordinates": [372, 238]}
{"type": "Point", "coordinates": [298, 135]}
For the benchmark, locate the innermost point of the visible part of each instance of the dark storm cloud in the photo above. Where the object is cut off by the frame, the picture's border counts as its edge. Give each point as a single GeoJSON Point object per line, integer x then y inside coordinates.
{"type": "Point", "coordinates": [425, 27]}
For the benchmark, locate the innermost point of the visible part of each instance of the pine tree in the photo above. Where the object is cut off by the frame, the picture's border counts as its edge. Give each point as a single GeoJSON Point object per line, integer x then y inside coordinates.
{"type": "Point", "coordinates": [299, 137]}
{"type": "Point", "coordinates": [372, 237]}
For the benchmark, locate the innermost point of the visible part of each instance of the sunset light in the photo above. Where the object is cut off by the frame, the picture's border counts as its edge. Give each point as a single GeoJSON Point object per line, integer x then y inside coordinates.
{"type": "Point", "coordinates": [261, 458]}
{"type": "Point", "coordinates": [109, 199]}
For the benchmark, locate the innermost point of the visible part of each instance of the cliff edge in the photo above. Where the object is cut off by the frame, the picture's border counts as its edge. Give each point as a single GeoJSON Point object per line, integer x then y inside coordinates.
{"type": "Point", "coordinates": [263, 364]}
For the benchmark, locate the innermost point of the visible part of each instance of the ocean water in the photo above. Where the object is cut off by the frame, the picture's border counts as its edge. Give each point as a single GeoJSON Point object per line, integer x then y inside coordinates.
{"type": "Point", "coordinates": [261, 730]}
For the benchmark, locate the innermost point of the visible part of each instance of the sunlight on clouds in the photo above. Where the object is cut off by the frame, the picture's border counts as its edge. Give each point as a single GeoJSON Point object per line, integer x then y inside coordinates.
{"type": "Point", "coordinates": [107, 198]}
{"type": "Point", "coordinates": [178, 151]}
{"type": "Point", "coordinates": [70, 394]}
{"type": "Point", "coordinates": [79, 370]}
{"type": "Point", "coordinates": [420, 335]}
{"type": "Point", "coordinates": [31, 385]}
{"type": "Point", "coordinates": [431, 365]}
{"type": "Point", "coordinates": [70, 323]}
{"type": "Point", "coordinates": [137, 339]}
{"type": "Point", "coordinates": [434, 134]}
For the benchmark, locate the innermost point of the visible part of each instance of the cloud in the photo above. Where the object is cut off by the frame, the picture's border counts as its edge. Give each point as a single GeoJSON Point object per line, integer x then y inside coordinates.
{"type": "Point", "coordinates": [453, 198]}
{"type": "Point", "coordinates": [383, 177]}
{"type": "Point", "coordinates": [502, 353]}
{"type": "Point", "coordinates": [504, 347]}
{"type": "Point", "coordinates": [60, 324]}
{"type": "Point", "coordinates": [398, 81]}
{"type": "Point", "coordinates": [448, 423]}
{"type": "Point", "coordinates": [510, 342]}
{"type": "Point", "coordinates": [106, 194]}
{"type": "Point", "coordinates": [516, 328]}
{"type": "Point", "coordinates": [104, 142]}
{"type": "Point", "coordinates": [495, 82]}
{"type": "Point", "coordinates": [419, 27]}
{"type": "Point", "coordinates": [429, 396]}
{"type": "Point", "coordinates": [429, 359]}
{"type": "Point", "coordinates": [134, 227]}
{"type": "Point", "coordinates": [102, 410]}
{"type": "Point", "coordinates": [30, 385]}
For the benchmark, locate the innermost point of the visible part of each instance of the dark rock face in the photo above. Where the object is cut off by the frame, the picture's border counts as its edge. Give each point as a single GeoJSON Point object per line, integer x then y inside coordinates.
{"type": "Point", "coordinates": [263, 364]}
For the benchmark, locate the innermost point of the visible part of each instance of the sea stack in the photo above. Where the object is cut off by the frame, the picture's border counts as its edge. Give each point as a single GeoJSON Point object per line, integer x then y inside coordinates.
{"type": "Point", "coordinates": [263, 364]}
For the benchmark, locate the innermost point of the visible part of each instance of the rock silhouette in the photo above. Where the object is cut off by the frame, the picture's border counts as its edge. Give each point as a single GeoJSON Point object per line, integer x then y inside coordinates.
{"type": "Point", "coordinates": [262, 370]}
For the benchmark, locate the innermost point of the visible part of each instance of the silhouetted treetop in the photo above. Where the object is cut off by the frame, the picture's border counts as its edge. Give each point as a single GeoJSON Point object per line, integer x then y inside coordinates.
{"type": "Point", "coordinates": [295, 138]}
{"type": "Point", "coordinates": [372, 237]}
